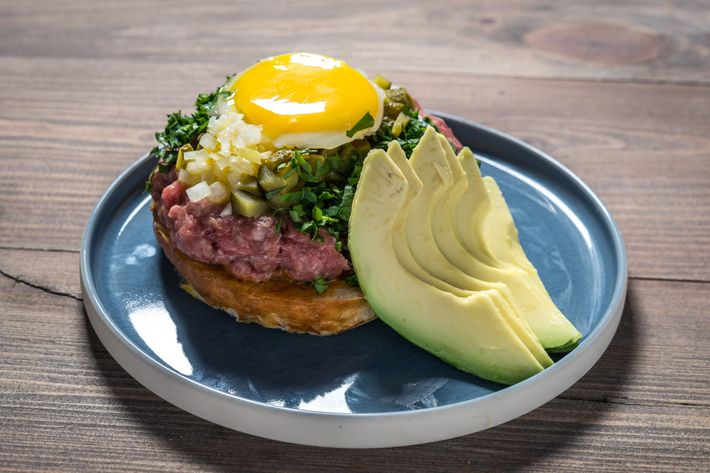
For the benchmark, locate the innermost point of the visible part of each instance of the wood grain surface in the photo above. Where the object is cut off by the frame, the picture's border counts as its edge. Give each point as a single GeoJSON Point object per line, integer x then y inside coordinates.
{"type": "Point", "coordinates": [617, 91]}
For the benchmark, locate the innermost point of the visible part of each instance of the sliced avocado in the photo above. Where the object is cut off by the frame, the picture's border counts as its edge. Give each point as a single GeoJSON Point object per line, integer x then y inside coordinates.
{"type": "Point", "coordinates": [434, 268]}
{"type": "Point", "coordinates": [468, 332]}
{"type": "Point", "coordinates": [499, 231]}
{"type": "Point", "coordinates": [471, 209]}
{"type": "Point", "coordinates": [467, 226]}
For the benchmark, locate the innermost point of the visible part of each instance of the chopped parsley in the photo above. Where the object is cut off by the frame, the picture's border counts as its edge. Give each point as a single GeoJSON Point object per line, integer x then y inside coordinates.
{"type": "Point", "coordinates": [352, 280]}
{"type": "Point", "coordinates": [365, 122]}
{"type": "Point", "coordinates": [410, 135]}
{"type": "Point", "coordinates": [185, 129]}
{"type": "Point", "coordinates": [320, 284]}
{"type": "Point", "coordinates": [329, 180]}
{"type": "Point", "coordinates": [325, 196]}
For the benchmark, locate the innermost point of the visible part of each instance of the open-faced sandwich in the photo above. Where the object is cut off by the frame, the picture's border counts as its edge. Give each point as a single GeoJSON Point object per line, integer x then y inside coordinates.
{"type": "Point", "coordinates": [301, 183]}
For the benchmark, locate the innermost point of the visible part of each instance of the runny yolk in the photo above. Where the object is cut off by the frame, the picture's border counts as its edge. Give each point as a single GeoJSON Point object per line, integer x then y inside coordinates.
{"type": "Point", "coordinates": [304, 93]}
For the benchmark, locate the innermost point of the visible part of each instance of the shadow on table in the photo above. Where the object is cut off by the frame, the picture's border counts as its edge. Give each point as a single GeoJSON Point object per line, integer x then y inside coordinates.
{"type": "Point", "coordinates": [540, 437]}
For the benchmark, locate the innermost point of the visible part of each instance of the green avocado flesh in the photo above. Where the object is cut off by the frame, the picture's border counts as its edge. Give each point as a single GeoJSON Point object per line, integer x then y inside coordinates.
{"type": "Point", "coordinates": [482, 224]}
{"type": "Point", "coordinates": [404, 247]}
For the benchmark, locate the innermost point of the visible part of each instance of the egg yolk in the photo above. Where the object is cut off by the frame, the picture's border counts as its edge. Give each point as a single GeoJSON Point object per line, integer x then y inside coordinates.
{"type": "Point", "coordinates": [304, 93]}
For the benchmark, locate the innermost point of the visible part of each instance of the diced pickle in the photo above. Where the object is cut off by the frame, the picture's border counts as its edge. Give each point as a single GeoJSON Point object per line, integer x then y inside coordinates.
{"type": "Point", "coordinates": [396, 100]}
{"type": "Point", "coordinates": [198, 168]}
{"type": "Point", "coordinates": [345, 151]}
{"type": "Point", "coordinates": [399, 95]}
{"type": "Point", "coordinates": [313, 160]}
{"type": "Point", "coordinates": [181, 155]}
{"type": "Point", "coordinates": [269, 180]}
{"type": "Point", "coordinates": [278, 157]}
{"type": "Point", "coordinates": [185, 178]}
{"type": "Point", "coordinates": [362, 146]}
{"type": "Point", "coordinates": [392, 109]}
{"type": "Point", "coordinates": [249, 184]}
{"type": "Point", "coordinates": [291, 181]}
{"type": "Point", "coordinates": [400, 124]}
{"type": "Point", "coordinates": [248, 205]}
{"type": "Point", "coordinates": [382, 82]}
{"type": "Point", "coordinates": [333, 177]}
{"type": "Point", "coordinates": [276, 202]}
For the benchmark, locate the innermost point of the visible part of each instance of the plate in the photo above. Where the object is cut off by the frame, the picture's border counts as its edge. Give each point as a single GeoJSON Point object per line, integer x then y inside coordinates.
{"type": "Point", "coordinates": [367, 387]}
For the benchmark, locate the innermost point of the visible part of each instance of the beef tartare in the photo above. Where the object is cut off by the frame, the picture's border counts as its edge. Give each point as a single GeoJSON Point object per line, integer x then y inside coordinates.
{"type": "Point", "coordinates": [250, 248]}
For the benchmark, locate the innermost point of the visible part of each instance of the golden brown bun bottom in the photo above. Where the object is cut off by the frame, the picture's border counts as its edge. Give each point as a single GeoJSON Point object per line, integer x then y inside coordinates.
{"type": "Point", "coordinates": [275, 304]}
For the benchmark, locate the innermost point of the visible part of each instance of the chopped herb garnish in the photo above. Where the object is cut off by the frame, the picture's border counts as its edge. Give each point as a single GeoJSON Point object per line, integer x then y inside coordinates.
{"type": "Point", "coordinates": [352, 279]}
{"type": "Point", "coordinates": [185, 129]}
{"type": "Point", "coordinates": [409, 136]}
{"type": "Point", "coordinates": [328, 180]}
{"type": "Point", "coordinates": [295, 216]}
{"type": "Point", "coordinates": [346, 201]}
{"type": "Point", "coordinates": [320, 284]}
{"type": "Point", "coordinates": [279, 222]}
{"type": "Point", "coordinates": [365, 122]}
{"type": "Point", "coordinates": [323, 202]}
{"type": "Point", "coordinates": [274, 192]}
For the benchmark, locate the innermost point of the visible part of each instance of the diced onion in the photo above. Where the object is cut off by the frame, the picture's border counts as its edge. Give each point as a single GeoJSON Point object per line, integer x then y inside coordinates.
{"type": "Point", "coordinates": [197, 167]}
{"type": "Point", "coordinates": [243, 166]}
{"type": "Point", "coordinates": [207, 141]}
{"type": "Point", "coordinates": [198, 192]}
{"type": "Point", "coordinates": [225, 146]}
{"type": "Point", "coordinates": [249, 135]}
{"type": "Point", "coordinates": [400, 124]}
{"type": "Point", "coordinates": [184, 176]}
{"type": "Point", "coordinates": [251, 154]}
{"type": "Point", "coordinates": [192, 155]}
{"type": "Point", "coordinates": [222, 163]}
{"type": "Point", "coordinates": [229, 148]}
{"type": "Point", "coordinates": [226, 211]}
{"type": "Point", "coordinates": [218, 192]}
{"type": "Point", "coordinates": [234, 178]}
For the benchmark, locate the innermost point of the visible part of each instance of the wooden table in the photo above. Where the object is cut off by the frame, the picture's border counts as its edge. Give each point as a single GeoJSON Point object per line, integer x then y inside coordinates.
{"type": "Point", "coordinates": [619, 93]}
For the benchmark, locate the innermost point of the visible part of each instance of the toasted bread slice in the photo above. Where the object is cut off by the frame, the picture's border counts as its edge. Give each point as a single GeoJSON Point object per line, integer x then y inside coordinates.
{"type": "Point", "coordinates": [288, 305]}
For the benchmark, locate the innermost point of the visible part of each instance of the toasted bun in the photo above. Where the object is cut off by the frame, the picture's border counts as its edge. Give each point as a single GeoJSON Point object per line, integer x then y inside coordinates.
{"type": "Point", "coordinates": [290, 306]}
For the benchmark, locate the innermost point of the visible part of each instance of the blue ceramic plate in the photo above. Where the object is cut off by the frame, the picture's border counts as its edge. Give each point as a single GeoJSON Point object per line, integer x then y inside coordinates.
{"type": "Point", "coordinates": [367, 387]}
